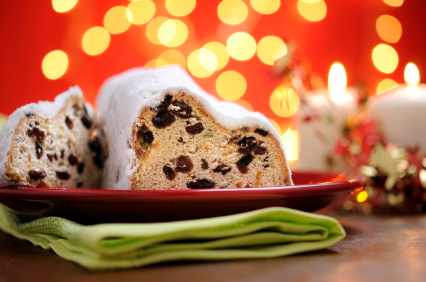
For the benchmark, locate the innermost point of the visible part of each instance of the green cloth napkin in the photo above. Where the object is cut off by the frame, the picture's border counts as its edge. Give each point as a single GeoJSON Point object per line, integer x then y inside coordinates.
{"type": "Point", "coordinates": [265, 233]}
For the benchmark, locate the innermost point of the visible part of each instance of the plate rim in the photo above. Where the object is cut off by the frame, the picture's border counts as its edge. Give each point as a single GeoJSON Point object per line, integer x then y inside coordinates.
{"type": "Point", "coordinates": [64, 194]}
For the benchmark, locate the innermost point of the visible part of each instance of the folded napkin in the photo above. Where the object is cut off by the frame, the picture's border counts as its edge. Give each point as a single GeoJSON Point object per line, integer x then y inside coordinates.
{"type": "Point", "coordinates": [265, 233]}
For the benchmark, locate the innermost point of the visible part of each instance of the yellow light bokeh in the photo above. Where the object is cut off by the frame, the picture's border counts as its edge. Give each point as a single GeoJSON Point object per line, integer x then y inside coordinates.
{"type": "Point", "coordinates": [389, 28]}
{"type": "Point", "coordinates": [173, 57]}
{"type": "Point", "coordinates": [152, 29]}
{"type": "Point", "coordinates": [180, 8]}
{"type": "Point", "coordinates": [231, 85]}
{"type": "Point", "coordinates": [284, 102]}
{"type": "Point", "coordinates": [276, 125]}
{"type": "Point", "coordinates": [312, 10]}
{"type": "Point", "coordinates": [241, 46]}
{"type": "Point", "coordinates": [394, 3]}
{"type": "Point", "coordinates": [385, 58]}
{"type": "Point", "coordinates": [208, 59]}
{"type": "Point", "coordinates": [265, 7]}
{"type": "Point", "coordinates": [386, 85]}
{"type": "Point", "coordinates": [96, 40]}
{"type": "Point", "coordinates": [62, 6]}
{"type": "Point", "coordinates": [245, 104]}
{"type": "Point", "coordinates": [220, 51]}
{"type": "Point", "coordinates": [291, 143]}
{"type": "Point", "coordinates": [362, 196]}
{"type": "Point", "coordinates": [232, 11]}
{"type": "Point", "coordinates": [156, 63]}
{"type": "Point", "coordinates": [196, 67]}
{"type": "Point", "coordinates": [411, 74]}
{"type": "Point", "coordinates": [271, 48]}
{"type": "Point", "coordinates": [172, 33]}
{"type": "Point", "coordinates": [55, 64]}
{"type": "Point", "coordinates": [116, 21]}
{"type": "Point", "coordinates": [140, 12]}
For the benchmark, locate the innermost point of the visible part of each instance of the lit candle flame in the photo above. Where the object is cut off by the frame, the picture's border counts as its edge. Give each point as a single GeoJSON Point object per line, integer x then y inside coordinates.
{"type": "Point", "coordinates": [411, 74]}
{"type": "Point", "coordinates": [337, 82]}
{"type": "Point", "coordinates": [412, 78]}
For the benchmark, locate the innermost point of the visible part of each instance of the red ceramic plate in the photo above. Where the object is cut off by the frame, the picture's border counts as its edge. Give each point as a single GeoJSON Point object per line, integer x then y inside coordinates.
{"type": "Point", "coordinates": [312, 192]}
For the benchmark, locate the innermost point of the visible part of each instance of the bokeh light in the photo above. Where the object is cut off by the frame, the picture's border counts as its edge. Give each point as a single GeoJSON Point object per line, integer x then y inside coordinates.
{"type": "Point", "coordinates": [385, 58]}
{"type": "Point", "coordinates": [156, 63]}
{"type": "Point", "coordinates": [362, 196]}
{"type": "Point", "coordinates": [152, 29]}
{"type": "Point", "coordinates": [245, 104]}
{"type": "Point", "coordinates": [116, 21]}
{"type": "Point", "coordinates": [180, 8]}
{"type": "Point", "coordinates": [276, 125]}
{"type": "Point", "coordinates": [55, 64]}
{"type": "Point", "coordinates": [291, 143]}
{"type": "Point", "coordinates": [220, 51]}
{"type": "Point", "coordinates": [265, 7]}
{"type": "Point", "coordinates": [196, 67]}
{"type": "Point", "coordinates": [95, 41]}
{"type": "Point", "coordinates": [271, 48]}
{"type": "Point", "coordinates": [389, 28]}
{"type": "Point", "coordinates": [241, 46]}
{"type": "Point", "coordinates": [231, 85]}
{"type": "Point", "coordinates": [312, 10]}
{"type": "Point", "coordinates": [386, 85]}
{"type": "Point", "coordinates": [173, 57]}
{"type": "Point", "coordinates": [394, 3]}
{"type": "Point", "coordinates": [140, 12]}
{"type": "Point", "coordinates": [173, 33]}
{"type": "Point", "coordinates": [411, 74]}
{"type": "Point", "coordinates": [232, 11]}
{"type": "Point", "coordinates": [62, 6]}
{"type": "Point", "coordinates": [284, 102]}
{"type": "Point", "coordinates": [208, 59]}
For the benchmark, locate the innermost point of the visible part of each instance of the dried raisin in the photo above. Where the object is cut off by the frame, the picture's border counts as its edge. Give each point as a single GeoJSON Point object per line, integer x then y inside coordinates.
{"type": "Point", "coordinates": [38, 132]}
{"type": "Point", "coordinates": [184, 164]}
{"type": "Point", "coordinates": [261, 132]}
{"type": "Point", "coordinates": [247, 144]}
{"type": "Point", "coordinates": [148, 137]}
{"type": "Point", "coordinates": [200, 183]}
{"type": "Point", "coordinates": [260, 149]}
{"type": "Point", "coordinates": [244, 162]}
{"type": "Point", "coordinates": [69, 123]}
{"type": "Point", "coordinates": [39, 149]}
{"type": "Point", "coordinates": [222, 169]}
{"type": "Point", "coordinates": [37, 174]}
{"type": "Point", "coordinates": [87, 122]}
{"type": "Point", "coordinates": [184, 110]}
{"type": "Point", "coordinates": [169, 172]}
{"type": "Point", "coordinates": [80, 167]}
{"type": "Point", "coordinates": [194, 129]}
{"type": "Point", "coordinates": [163, 119]}
{"type": "Point", "coordinates": [73, 160]}
{"type": "Point", "coordinates": [63, 175]}
{"type": "Point", "coordinates": [163, 106]}
{"type": "Point", "coordinates": [204, 164]}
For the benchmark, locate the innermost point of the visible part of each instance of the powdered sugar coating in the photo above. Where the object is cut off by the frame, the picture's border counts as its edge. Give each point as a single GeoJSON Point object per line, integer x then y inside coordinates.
{"type": "Point", "coordinates": [44, 109]}
{"type": "Point", "coordinates": [123, 97]}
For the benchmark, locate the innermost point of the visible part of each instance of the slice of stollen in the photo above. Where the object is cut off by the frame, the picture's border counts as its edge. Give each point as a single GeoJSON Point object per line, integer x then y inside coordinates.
{"type": "Point", "coordinates": [49, 144]}
{"type": "Point", "coordinates": [164, 132]}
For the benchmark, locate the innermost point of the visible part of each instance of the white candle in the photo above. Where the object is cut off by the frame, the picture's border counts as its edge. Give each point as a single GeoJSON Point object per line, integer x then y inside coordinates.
{"type": "Point", "coordinates": [402, 112]}
{"type": "Point", "coordinates": [321, 120]}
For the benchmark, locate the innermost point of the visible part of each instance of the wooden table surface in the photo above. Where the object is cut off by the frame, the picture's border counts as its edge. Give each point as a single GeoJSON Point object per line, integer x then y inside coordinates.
{"type": "Point", "coordinates": [377, 248]}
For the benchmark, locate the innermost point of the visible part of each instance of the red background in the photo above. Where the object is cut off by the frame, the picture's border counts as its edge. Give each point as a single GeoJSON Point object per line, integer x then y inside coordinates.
{"type": "Point", "coordinates": [31, 29]}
